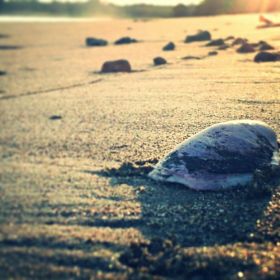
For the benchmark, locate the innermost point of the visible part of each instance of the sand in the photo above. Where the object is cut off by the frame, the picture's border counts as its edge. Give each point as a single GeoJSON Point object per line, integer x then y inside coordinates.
{"type": "Point", "coordinates": [74, 195]}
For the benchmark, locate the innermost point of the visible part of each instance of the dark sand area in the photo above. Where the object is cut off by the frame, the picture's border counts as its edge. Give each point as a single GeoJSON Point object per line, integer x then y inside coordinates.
{"type": "Point", "coordinates": [76, 147]}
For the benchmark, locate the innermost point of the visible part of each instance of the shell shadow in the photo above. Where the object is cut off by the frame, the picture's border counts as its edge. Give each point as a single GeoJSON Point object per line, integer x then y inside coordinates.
{"type": "Point", "coordinates": [192, 218]}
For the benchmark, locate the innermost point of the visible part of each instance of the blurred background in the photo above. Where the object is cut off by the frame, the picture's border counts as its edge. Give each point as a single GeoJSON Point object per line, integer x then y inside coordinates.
{"type": "Point", "coordinates": [136, 8]}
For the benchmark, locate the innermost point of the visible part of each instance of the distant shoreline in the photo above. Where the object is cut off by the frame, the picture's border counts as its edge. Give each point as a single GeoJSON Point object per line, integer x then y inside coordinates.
{"type": "Point", "coordinates": [38, 18]}
{"type": "Point", "coordinates": [47, 18]}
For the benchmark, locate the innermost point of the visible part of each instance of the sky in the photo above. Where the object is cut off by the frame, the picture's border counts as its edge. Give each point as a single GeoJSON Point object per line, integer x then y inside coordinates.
{"type": "Point", "coordinates": [155, 2]}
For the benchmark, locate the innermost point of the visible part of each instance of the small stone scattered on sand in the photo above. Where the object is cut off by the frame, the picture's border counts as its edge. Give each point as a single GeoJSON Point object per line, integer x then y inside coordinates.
{"type": "Point", "coordinates": [229, 38]}
{"type": "Point", "coordinates": [200, 36]}
{"type": "Point", "coordinates": [246, 48]}
{"type": "Point", "coordinates": [216, 43]}
{"type": "Point", "coordinates": [9, 47]}
{"type": "Point", "coordinates": [55, 117]}
{"type": "Point", "coordinates": [3, 73]}
{"type": "Point", "coordinates": [169, 47]}
{"type": "Point", "coordinates": [190, 57]}
{"type": "Point", "coordinates": [4, 36]}
{"type": "Point", "coordinates": [267, 57]}
{"type": "Point", "coordinates": [264, 46]}
{"type": "Point", "coordinates": [239, 41]}
{"type": "Point", "coordinates": [223, 47]}
{"type": "Point", "coordinates": [95, 42]}
{"type": "Point", "coordinates": [116, 66]}
{"type": "Point", "coordinates": [125, 40]}
{"type": "Point", "coordinates": [213, 53]}
{"type": "Point", "coordinates": [159, 61]}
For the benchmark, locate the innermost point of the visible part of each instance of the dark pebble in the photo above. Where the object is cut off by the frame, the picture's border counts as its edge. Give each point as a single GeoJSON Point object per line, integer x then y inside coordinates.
{"type": "Point", "coordinates": [115, 66]}
{"type": "Point", "coordinates": [213, 53]}
{"type": "Point", "coordinates": [9, 47]}
{"type": "Point", "coordinates": [223, 47]}
{"type": "Point", "coordinates": [246, 48]}
{"type": "Point", "coordinates": [55, 117]}
{"type": "Point", "coordinates": [267, 57]}
{"type": "Point", "coordinates": [125, 40]}
{"type": "Point", "coordinates": [4, 36]}
{"type": "Point", "coordinates": [169, 47]}
{"type": "Point", "coordinates": [264, 46]}
{"type": "Point", "coordinates": [229, 38]}
{"type": "Point", "coordinates": [239, 41]}
{"type": "Point", "coordinates": [214, 43]}
{"type": "Point", "coordinates": [159, 61]}
{"type": "Point", "coordinates": [201, 36]}
{"type": "Point", "coordinates": [95, 42]}
{"type": "Point", "coordinates": [189, 57]}
{"type": "Point", "coordinates": [3, 73]}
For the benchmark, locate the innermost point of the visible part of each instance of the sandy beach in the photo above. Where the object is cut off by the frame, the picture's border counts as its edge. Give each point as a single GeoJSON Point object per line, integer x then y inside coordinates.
{"type": "Point", "coordinates": [75, 199]}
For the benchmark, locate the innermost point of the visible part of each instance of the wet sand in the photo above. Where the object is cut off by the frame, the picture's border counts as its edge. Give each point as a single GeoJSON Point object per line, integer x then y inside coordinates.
{"type": "Point", "coordinates": [74, 195]}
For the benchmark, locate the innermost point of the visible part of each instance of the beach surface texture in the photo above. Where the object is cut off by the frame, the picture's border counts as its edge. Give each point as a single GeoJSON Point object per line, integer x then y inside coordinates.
{"type": "Point", "coordinates": [77, 146]}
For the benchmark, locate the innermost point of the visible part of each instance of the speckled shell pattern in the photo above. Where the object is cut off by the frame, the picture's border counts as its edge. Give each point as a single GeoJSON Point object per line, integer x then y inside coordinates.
{"type": "Point", "coordinates": [221, 156]}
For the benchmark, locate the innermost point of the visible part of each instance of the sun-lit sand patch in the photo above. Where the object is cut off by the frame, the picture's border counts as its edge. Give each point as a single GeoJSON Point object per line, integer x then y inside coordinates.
{"type": "Point", "coordinates": [66, 236]}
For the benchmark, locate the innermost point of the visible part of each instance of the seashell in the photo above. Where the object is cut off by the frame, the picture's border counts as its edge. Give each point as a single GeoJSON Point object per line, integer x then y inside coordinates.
{"type": "Point", "coordinates": [221, 156]}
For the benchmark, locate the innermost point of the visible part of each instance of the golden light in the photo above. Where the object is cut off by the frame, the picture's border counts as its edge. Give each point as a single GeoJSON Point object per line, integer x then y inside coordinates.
{"type": "Point", "coordinates": [260, 5]}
